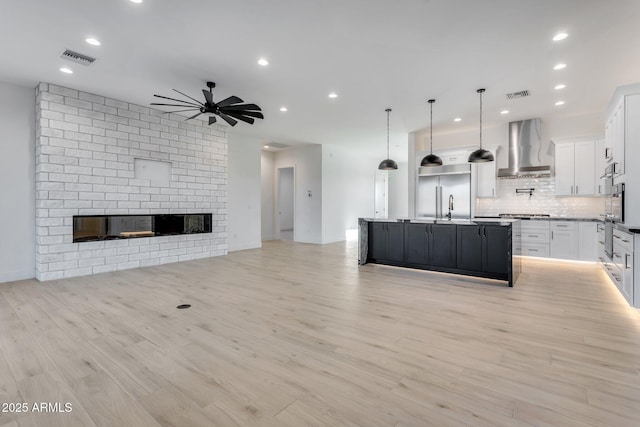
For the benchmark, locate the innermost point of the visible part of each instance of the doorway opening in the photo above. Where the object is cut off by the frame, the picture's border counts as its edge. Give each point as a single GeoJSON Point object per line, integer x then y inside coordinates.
{"type": "Point", "coordinates": [381, 195]}
{"type": "Point", "coordinates": [286, 208]}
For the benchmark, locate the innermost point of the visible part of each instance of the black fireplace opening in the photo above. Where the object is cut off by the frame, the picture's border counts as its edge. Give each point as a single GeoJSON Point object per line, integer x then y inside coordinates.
{"type": "Point", "coordinates": [88, 228]}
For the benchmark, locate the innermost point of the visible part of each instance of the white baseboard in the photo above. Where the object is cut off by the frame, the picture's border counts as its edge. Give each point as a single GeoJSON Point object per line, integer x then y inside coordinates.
{"type": "Point", "coordinates": [12, 276]}
{"type": "Point", "coordinates": [244, 246]}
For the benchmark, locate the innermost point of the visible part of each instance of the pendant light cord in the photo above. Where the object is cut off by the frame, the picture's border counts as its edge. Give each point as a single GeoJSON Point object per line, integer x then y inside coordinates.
{"type": "Point", "coordinates": [388, 110]}
{"type": "Point", "coordinates": [431, 128]}
{"type": "Point", "coordinates": [480, 92]}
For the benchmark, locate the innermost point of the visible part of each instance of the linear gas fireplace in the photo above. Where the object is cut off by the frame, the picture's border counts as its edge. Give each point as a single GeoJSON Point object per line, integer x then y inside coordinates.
{"type": "Point", "coordinates": [110, 227]}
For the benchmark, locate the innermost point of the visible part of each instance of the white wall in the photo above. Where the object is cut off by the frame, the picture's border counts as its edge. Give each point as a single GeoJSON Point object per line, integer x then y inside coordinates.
{"type": "Point", "coordinates": [399, 191]}
{"type": "Point", "coordinates": [347, 189]}
{"type": "Point", "coordinates": [244, 192]}
{"type": "Point", "coordinates": [17, 182]}
{"type": "Point", "coordinates": [307, 163]}
{"type": "Point", "coordinates": [267, 196]}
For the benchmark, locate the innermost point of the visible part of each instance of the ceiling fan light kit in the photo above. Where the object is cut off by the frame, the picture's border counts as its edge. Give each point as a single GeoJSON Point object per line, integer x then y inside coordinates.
{"type": "Point", "coordinates": [229, 109]}
{"type": "Point", "coordinates": [388, 164]}
{"type": "Point", "coordinates": [480, 155]}
{"type": "Point", "coordinates": [431, 159]}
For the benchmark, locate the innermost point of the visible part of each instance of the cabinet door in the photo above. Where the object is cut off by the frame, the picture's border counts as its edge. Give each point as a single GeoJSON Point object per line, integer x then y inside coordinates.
{"type": "Point", "coordinates": [588, 241]}
{"type": "Point", "coordinates": [565, 170]}
{"type": "Point", "coordinates": [377, 240]}
{"type": "Point", "coordinates": [395, 241]}
{"type": "Point", "coordinates": [486, 175]}
{"type": "Point", "coordinates": [416, 241]}
{"type": "Point", "coordinates": [442, 247]}
{"type": "Point", "coordinates": [627, 276]}
{"type": "Point", "coordinates": [585, 175]}
{"type": "Point", "coordinates": [563, 244]}
{"type": "Point", "coordinates": [618, 139]}
{"type": "Point", "coordinates": [496, 252]}
{"type": "Point", "coordinates": [600, 165]}
{"type": "Point", "coordinates": [469, 250]}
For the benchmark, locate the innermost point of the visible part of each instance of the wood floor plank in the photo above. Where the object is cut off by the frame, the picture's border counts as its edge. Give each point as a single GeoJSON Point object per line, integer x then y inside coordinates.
{"type": "Point", "coordinates": [295, 334]}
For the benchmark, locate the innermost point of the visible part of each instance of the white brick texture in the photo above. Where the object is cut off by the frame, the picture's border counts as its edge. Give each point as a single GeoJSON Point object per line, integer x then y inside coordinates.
{"type": "Point", "coordinates": [85, 150]}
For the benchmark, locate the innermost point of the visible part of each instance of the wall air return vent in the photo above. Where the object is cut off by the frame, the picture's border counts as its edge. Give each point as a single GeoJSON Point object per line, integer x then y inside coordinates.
{"type": "Point", "coordinates": [78, 58]}
{"type": "Point", "coordinates": [521, 94]}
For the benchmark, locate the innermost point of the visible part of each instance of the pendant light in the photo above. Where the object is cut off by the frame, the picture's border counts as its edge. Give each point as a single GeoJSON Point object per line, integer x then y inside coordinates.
{"type": "Point", "coordinates": [387, 164]}
{"type": "Point", "coordinates": [480, 155]}
{"type": "Point", "coordinates": [431, 159]}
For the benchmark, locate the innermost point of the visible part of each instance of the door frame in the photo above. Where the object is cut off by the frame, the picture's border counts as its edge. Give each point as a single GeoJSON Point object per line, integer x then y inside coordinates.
{"type": "Point", "coordinates": [277, 201]}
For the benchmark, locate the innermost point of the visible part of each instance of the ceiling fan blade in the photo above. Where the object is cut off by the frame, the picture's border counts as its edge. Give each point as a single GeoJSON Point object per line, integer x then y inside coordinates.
{"type": "Point", "coordinates": [241, 117]}
{"type": "Point", "coordinates": [180, 100]}
{"type": "Point", "coordinates": [176, 105]}
{"type": "Point", "coordinates": [228, 119]}
{"type": "Point", "coordinates": [187, 96]}
{"type": "Point", "coordinates": [194, 116]}
{"type": "Point", "coordinates": [208, 96]}
{"type": "Point", "coordinates": [246, 113]}
{"type": "Point", "coordinates": [242, 107]}
{"type": "Point", "coordinates": [179, 111]}
{"type": "Point", "coordinates": [212, 120]}
{"type": "Point", "coordinates": [230, 100]}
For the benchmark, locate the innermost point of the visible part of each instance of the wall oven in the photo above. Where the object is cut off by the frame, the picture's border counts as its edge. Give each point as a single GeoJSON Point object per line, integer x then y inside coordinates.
{"type": "Point", "coordinates": [614, 208]}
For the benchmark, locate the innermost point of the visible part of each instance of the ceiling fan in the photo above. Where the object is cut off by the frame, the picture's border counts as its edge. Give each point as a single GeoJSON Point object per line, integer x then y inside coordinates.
{"type": "Point", "coordinates": [229, 109]}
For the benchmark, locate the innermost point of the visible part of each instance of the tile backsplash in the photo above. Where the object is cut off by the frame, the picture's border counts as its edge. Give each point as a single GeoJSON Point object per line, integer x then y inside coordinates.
{"type": "Point", "coordinates": [543, 200]}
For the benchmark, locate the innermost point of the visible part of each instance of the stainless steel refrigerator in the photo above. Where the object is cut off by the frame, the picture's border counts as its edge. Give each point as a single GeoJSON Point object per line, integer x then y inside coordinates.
{"type": "Point", "coordinates": [443, 187]}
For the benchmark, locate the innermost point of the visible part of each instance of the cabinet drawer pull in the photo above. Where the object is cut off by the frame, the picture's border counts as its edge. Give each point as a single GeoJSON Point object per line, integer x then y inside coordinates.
{"type": "Point", "coordinates": [626, 261]}
{"type": "Point", "coordinates": [626, 241]}
{"type": "Point", "coordinates": [533, 250]}
{"type": "Point", "coordinates": [533, 235]}
{"type": "Point", "coordinates": [561, 225]}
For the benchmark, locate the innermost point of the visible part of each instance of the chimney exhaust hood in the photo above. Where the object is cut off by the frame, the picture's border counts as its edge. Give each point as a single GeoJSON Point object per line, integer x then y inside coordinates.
{"type": "Point", "coordinates": [526, 158]}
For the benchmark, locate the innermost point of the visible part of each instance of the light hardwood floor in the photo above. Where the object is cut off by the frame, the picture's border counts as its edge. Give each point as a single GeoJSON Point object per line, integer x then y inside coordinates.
{"type": "Point", "coordinates": [299, 335]}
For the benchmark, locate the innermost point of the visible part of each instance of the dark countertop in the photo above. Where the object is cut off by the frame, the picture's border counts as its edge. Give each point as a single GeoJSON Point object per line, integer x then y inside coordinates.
{"type": "Point", "coordinates": [635, 229]}
{"type": "Point", "coordinates": [475, 221]}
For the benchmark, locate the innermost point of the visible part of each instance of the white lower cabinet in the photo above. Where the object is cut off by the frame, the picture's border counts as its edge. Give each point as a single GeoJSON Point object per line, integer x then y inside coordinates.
{"type": "Point", "coordinates": [564, 240]}
{"type": "Point", "coordinates": [571, 240]}
{"type": "Point", "coordinates": [535, 238]}
{"type": "Point", "coordinates": [622, 269]}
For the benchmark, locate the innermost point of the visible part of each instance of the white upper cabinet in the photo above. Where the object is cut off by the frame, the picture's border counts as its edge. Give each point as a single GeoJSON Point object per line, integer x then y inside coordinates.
{"type": "Point", "coordinates": [575, 168]}
{"type": "Point", "coordinates": [486, 175]}
{"type": "Point", "coordinates": [615, 137]}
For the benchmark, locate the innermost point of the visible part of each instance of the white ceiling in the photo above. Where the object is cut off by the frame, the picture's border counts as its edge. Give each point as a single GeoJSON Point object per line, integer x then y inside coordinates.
{"type": "Point", "coordinates": [374, 53]}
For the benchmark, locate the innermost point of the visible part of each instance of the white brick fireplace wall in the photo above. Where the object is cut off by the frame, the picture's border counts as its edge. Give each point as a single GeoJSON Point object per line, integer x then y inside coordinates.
{"type": "Point", "coordinates": [85, 150]}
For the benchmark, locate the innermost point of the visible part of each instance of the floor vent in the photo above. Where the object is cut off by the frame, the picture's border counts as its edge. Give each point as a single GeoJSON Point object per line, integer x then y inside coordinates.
{"type": "Point", "coordinates": [78, 58]}
{"type": "Point", "coordinates": [521, 94]}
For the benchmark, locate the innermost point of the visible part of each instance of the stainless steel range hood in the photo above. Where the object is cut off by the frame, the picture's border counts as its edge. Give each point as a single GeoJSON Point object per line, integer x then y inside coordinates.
{"type": "Point", "coordinates": [526, 158]}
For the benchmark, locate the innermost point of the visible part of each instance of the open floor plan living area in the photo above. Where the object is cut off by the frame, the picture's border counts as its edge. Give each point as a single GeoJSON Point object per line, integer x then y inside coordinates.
{"type": "Point", "coordinates": [354, 213]}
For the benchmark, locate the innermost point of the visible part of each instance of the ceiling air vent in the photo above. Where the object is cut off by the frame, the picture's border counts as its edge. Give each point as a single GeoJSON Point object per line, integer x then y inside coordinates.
{"type": "Point", "coordinates": [78, 58]}
{"type": "Point", "coordinates": [521, 94]}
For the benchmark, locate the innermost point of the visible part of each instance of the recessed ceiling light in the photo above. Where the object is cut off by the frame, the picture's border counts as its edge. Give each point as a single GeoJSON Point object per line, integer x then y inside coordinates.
{"type": "Point", "coordinates": [504, 112]}
{"type": "Point", "coordinates": [66, 70]}
{"type": "Point", "coordinates": [559, 66]}
{"type": "Point", "coordinates": [284, 109]}
{"type": "Point", "coordinates": [560, 103]}
{"type": "Point", "coordinates": [560, 86]}
{"type": "Point", "coordinates": [560, 36]}
{"type": "Point", "coordinates": [457, 119]}
{"type": "Point", "coordinates": [266, 146]}
{"type": "Point", "coordinates": [92, 41]}
{"type": "Point", "coordinates": [263, 62]}
{"type": "Point", "coordinates": [135, 1]}
{"type": "Point", "coordinates": [333, 95]}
